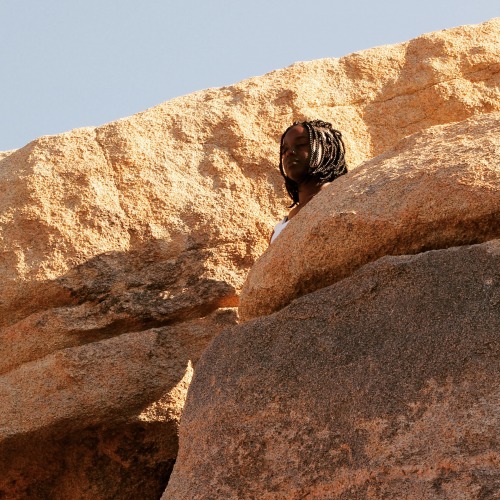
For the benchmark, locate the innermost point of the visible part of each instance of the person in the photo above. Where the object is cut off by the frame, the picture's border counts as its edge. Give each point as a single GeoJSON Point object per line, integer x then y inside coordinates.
{"type": "Point", "coordinates": [312, 156]}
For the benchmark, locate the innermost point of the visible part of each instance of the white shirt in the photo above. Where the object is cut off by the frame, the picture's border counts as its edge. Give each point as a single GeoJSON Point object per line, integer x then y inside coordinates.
{"type": "Point", "coordinates": [279, 227]}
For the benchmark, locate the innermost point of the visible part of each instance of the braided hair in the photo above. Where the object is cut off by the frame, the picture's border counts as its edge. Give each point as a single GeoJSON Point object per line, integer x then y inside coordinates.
{"type": "Point", "coordinates": [327, 160]}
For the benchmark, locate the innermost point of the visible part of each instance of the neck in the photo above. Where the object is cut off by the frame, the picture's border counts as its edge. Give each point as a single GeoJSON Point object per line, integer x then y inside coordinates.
{"type": "Point", "coordinates": [307, 190]}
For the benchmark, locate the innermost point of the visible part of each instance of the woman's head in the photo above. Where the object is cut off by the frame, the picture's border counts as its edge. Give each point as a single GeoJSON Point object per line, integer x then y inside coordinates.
{"type": "Point", "coordinates": [311, 149]}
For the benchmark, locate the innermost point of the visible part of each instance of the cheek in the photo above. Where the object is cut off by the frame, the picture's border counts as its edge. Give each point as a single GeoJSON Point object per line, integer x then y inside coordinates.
{"type": "Point", "coordinates": [306, 155]}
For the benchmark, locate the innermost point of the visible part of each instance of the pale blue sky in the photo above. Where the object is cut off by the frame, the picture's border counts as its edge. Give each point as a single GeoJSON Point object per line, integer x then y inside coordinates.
{"type": "Point", "coordinates": [73, 63]}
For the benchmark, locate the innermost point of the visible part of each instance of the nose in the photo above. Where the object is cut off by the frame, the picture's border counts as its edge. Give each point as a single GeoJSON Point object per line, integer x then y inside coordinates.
{"type": "Point", "coordinates": [289, 152]}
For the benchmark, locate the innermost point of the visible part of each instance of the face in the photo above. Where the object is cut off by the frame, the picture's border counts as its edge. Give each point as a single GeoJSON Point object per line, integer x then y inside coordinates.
{"type": "Point", "coordinates": [295, 154]}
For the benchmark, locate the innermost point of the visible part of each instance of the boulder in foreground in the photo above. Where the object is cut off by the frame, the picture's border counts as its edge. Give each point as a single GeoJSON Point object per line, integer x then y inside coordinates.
{"type": "Point", "coordinates": [384, 385]}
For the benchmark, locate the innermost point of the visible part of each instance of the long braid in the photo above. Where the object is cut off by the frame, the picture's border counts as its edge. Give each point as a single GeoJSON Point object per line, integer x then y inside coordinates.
{"type": "Point", "coordinates": [327, 159]}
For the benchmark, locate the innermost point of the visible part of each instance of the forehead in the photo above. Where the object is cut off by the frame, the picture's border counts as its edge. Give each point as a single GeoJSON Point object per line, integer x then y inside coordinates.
{"type": "Point", "coordinates": [296, 132]}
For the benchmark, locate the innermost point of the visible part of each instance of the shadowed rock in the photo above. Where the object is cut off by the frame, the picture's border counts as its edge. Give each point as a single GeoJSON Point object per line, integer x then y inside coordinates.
{"type": "Point", "coordinates": [99, 420]}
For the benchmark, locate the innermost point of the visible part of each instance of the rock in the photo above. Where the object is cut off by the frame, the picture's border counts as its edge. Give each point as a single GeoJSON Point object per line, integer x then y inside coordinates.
{"type": "Point", "coordinates": [82, 406]}
{"type": "Point", "coordinates": [118, 242]}
{"type": "Point", "coordinates": [4, 154]}
{"type": "Point", "coordinates": [113, 294]}
{"type": "Point", "coordinates": [435, 189]}
{"type": "Point", "coordinates": [383, 385]}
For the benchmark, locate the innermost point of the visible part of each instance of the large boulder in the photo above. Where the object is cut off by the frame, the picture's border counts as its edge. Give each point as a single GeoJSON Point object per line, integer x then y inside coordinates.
{"type": "Point", "coordinates": [383, 385]}
{"type": "Point", "coordinates": [435, 189]}
{"type": "Point", "coordinates": [119, 241]}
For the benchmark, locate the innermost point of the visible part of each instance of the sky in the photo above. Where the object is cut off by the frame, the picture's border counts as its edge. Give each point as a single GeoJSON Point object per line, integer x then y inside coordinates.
{"type": "Point", "coordinates": [73, 63]}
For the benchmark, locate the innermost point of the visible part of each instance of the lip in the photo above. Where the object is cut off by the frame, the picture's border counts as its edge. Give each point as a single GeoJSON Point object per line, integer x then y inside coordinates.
{"type": "Point", "coordinates": [292, 168]}
{"type": "Point", "coordinates": [291, 163]}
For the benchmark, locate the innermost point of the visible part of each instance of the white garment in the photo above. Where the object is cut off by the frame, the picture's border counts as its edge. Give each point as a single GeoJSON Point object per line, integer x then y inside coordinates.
{"type": "Point", "coordinates": [279, 227]}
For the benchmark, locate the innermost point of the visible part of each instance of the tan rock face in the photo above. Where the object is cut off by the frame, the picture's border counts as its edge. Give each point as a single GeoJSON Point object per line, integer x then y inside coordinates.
{"type": "Point", "coordinates": [105, 413]}
{"type": "Point", "coordinates": [4, 154]}
{"type": "Point", "coordinates": [436, 189]}
{"type": "Point", "coordinates": [384, 385]}
{"type": "Point", "coordinates": [123, 248]}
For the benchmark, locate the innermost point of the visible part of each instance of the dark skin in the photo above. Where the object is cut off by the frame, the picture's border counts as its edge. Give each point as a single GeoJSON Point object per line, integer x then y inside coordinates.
{"type": "Point", "coordinates": [296, 153]}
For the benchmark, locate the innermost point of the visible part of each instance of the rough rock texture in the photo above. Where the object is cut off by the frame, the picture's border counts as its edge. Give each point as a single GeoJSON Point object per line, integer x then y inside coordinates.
{"type": "Point", "coordinates": [99, 420]}
{"type": "Point", "coordinates": [435, 189]}
{"type": "Point", "coordinates": [123, 248]}
{"type": "Point", "coordinates": [384, 385]}
{"type": "Point", "coordinates": [4, 154]}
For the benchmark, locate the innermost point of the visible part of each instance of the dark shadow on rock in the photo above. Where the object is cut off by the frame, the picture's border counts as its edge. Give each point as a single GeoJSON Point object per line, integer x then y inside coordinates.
{"type": "Point", "coordinates": [128, 462]}
{"type": "Point", "coordinates": [112, 294]}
